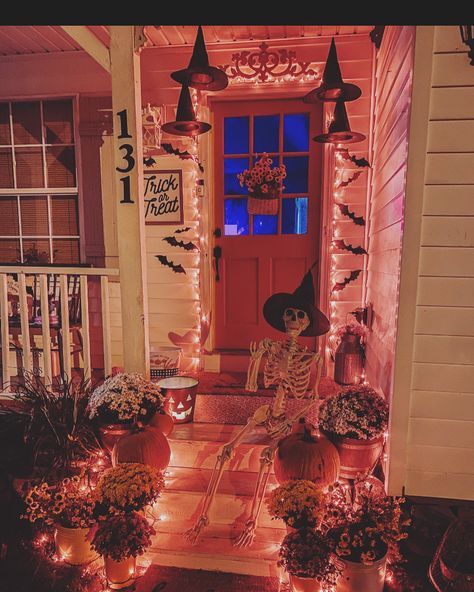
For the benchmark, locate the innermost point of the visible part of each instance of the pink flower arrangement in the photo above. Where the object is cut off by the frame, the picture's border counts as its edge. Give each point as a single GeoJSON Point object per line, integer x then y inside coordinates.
{"type": "Point", "coordinates": [363, 524]}
{"type": "Point", "coordinates": [307, 554]}
{"type": "Point", "coordinates": [261, 180]}
{"type": "Point", "coordinates": [356, 412]}
{"type": "Point", "coordinates": [123, 535]}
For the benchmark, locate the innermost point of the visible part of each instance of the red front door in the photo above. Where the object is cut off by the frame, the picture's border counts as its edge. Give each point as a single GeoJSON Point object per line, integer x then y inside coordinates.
{"type": "Point", "coordinates": [263, 254]}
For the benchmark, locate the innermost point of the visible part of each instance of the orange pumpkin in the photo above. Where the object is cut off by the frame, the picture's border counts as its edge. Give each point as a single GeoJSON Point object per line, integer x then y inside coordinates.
{"type": "Point", "coordinates": [146, 445]}
{"type": "Point", "coordinates": [163, 422]}
{"type": "Point", "coordinates": [301, 455]}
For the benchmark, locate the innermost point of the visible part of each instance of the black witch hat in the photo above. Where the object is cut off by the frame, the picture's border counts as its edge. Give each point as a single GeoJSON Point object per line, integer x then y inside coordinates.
{"type": "Point", "coordinates": [186, 123]}
{"type": "Point", "coordinates": [333, 86]}
{"type": "Point", "coordinates": [339, 130]}
{"type": "Point", "coordinates": [302, 298]}
{"type": "Point", "coordinates": [199, 74]}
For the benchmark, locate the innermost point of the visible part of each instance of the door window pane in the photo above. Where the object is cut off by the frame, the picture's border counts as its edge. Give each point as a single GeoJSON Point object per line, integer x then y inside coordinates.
{"type": "Point", "coordinates": [232, 167]}
{"type": "Point", "coordinates": [296, 180]}
{"type": "Point", "coordinates": [236, 218]}
{"type": "Point", "coordinates": [294, 215]}
{"type": "Point", "coordinates": [9, 216]}
{"type": "Point", "coordinates": [6, 167]}
{"type": "Point", "coordinates": [5, 124]}
{"type": "Point", "coordinates": [26, 122]}
{"type": "Point", "coordinates": [236, 135]}
{"type": "Point", "coordinates": [61, 166]}
{"type": "Point", "coordinates": [57, 119]}
{"type": "Point", "coordinates": [29, 167]}
{"type": "Point", "coordinates": [34, 215]}
{"type": "Point", "coordinates": [65, 250]}
{"type": "Point", "coordinates": [296, 132]}
{"type": "Point", "coordinates": [266, 133]}
{"type": "Point", "coordinates": [263, 224]}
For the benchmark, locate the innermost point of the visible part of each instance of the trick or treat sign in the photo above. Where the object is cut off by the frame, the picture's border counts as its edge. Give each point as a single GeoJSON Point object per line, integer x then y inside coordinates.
{"type": "Point", "coordinates": [163, 196]}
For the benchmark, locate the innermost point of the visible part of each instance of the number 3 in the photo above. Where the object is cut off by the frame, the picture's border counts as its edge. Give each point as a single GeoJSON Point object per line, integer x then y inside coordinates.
{"type": "Point", "coordinates": [127, 157]}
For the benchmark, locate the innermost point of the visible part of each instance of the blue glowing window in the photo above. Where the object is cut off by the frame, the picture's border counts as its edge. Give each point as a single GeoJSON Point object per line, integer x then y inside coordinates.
{"type": "Point", "coordinates": [266, 133]}
{"type": "Point", "coordinates": [296, 132]}
{"type": "Point", "coordinates": [236, 135]}
{"type": "Point", "coordinates": [236, 218]}
{"type": "Point", "coordinates": [296, 180]}
{"type": "Point", "coordinates": [265, 224]}
{"type": "Point", "coordinates": [232, 167]}
{"type": "Point", "coordinates": [294, 215]}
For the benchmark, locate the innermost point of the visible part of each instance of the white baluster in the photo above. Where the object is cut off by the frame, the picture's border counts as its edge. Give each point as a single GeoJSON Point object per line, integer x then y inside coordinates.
{"type": "Point", "coordinates": [25, 327]}
{"type": "Point", "coordinates": [104, 290]}
{"type": "Point", "coordinates": [45, 332]}
{"type": "Point", "coordinates": [86, 346]}
{"type": "Point", "coordinates": [5, 330]}
{"type": "Point", "coordinates": [66, 337]}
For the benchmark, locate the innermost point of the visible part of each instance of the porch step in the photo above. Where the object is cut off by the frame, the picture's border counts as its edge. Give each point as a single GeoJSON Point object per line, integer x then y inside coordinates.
{"type": "Point", "coordinates": [194, 449]}
{"type": "Point", "coordinates": [234, 361]}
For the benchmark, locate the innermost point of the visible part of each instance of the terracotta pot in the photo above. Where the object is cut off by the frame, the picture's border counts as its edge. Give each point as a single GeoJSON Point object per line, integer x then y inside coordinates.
{"type": "Point", "coordinates": [112, 432]}
{"type": "Point", "coordinates": [73, 546]}
{"type": "Point", "coordinates": [304, 584]}
{"type": "Point", "coordinates": [357, 456]}
{"type": "Point", "coordinates": [349, 361]}
{"type": "Point", "coordinates": [120, 574]}
{"type": "Point", "coordinates": [358, 576]}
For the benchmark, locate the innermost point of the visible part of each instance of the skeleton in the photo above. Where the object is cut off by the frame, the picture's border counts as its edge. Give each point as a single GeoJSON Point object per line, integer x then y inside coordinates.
{"type": "Point", "coordinates": [288, 367]}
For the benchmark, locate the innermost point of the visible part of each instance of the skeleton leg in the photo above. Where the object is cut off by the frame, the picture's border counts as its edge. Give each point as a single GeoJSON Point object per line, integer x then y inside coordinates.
{"type": "Point", "coordinates": [245, 539]}
{"type": "Point", "coordinates": [226, 453]}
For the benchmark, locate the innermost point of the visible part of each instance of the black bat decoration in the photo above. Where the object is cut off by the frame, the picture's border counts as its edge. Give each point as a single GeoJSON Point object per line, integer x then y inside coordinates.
{"type": "Point", "coordinates": [189, 246]}
{"type": "Point", "coordinates": [338, 286]}
{"type": "Point", "coordinates": [360, 162]}
{"type": "Point", "coordinates": [150, 161]}
{"type": "Point", "coordinates": [355, 176]}
{"type": "Point", "coordinates": [163, 259]}
{"type": "Point", "coordinates": [345, 211]}
{"type": "Point", "coordinates": [183, 155]}
{"type": "Point", "coordinates": [340, 244]}
{"type": "Point", "coordinates": [180, 230]}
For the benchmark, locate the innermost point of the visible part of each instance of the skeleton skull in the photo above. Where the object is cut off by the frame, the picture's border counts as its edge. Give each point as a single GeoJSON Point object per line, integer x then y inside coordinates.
{"type": "Point", "coordinates": [296, 320]}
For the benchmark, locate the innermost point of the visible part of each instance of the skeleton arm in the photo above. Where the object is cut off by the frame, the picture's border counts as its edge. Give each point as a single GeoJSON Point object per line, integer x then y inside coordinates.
{"type": "Point", "coordinates": [256, 354]}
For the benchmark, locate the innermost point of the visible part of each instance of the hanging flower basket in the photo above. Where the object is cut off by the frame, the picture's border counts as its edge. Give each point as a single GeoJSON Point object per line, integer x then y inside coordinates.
{"type": "Point", "coordinates": [259, 203]}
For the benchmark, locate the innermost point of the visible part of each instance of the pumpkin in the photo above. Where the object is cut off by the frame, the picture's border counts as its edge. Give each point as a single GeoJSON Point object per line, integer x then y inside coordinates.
{"type": "Point", "coordinates": [163, 422]}
{"type": "Point", "coordinates": [146, 445]}
{"type": "Point", "coordinates": [301, 455]}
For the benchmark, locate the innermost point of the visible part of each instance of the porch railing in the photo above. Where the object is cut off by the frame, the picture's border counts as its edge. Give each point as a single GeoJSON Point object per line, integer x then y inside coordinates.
{"type": "Point", "coordinates": [52, 302]}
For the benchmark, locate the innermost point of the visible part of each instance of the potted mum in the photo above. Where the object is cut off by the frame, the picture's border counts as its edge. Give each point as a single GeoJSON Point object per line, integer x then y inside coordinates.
{"type": "Point", "coordinates": [307, 558]}
{"type": "Point", "coordinates": [355, 420]}
{"type": "Point", "coordinates": [299, 503]}
{"type": "Point", "coordinates": [264, 184]}
{"type": "Point", "coordinates": [69, 507]}
{"type": "Point", "coordinates": [120, 402]}
{"type": "Point", "coordinates": [120, 538]}
{"type": "Point", "coordinates": [363, 526]}
{"type": "Point", "coordinates": [128, 487]}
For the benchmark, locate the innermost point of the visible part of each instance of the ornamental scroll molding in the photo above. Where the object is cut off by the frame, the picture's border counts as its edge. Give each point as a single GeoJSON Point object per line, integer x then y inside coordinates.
{"type": "Point", "coordinates": [266, 65]}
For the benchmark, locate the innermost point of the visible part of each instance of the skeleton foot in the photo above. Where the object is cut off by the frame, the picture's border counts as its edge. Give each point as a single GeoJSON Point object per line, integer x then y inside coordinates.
{"type": "Point", "coordinates": [245, 539]}
{"type": "Point", "coordinates": [192, 534]}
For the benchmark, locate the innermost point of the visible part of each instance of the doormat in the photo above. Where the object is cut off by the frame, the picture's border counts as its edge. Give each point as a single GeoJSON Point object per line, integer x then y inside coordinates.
{"type": "Point", "coordinates": [176, 579]}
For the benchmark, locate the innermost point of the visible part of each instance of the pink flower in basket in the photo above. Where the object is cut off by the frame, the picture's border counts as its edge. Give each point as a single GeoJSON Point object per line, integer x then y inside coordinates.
{"type": "Point", "coordinates": [262, 181]}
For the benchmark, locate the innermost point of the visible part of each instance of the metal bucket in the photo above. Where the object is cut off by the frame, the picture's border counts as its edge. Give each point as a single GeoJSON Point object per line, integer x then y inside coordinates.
{"type": "Point", "coordinates": [180, 397]}
{"type": "Point", "coordinates": [164, 361]}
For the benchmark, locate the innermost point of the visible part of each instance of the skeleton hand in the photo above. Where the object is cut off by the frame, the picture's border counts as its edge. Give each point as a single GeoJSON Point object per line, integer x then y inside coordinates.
{"type": "Point", "coordinates": [254, 349]}
{"type": "Point", "coordinates": [192, 534]}
{"type": "Point", "coordinates": [281, 429]}
{"type": "Point", "coordinates": [245, 539]}
{"type": "Point", "coordinates": [226, 453]}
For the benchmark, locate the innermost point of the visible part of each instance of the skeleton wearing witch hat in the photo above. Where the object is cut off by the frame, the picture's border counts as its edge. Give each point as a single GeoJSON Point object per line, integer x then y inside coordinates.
{"type": "Point", "coordinates": [290, 368]}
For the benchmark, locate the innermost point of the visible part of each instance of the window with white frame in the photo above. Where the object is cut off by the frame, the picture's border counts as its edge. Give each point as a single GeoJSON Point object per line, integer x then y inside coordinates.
{"type": "Point", "coordinates": [39, 220]}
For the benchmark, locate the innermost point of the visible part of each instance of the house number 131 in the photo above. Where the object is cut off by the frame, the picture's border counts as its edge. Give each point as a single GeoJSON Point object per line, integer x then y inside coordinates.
{"type": "Point", "coordinates": [129, 160]}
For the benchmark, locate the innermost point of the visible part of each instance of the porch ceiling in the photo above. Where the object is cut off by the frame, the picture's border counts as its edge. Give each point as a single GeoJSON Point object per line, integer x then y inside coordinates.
{"type": "Point", "coordinates": [29, 39]}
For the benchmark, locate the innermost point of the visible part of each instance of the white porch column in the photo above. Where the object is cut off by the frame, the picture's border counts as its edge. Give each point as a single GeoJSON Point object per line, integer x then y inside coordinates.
{"type": "Point", "coordinates": [126, 104]}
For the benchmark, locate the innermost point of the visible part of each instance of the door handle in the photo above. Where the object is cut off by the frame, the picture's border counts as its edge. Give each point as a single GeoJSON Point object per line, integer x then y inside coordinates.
{"type": "Point", "coordinates": [217, 252]}
{"type": "Point", "coordinates": [217, 233]}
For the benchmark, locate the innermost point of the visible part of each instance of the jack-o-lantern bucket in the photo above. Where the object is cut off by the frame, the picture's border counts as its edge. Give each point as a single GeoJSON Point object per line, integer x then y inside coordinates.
{"type": "Point", "coordinates": [180, 397]}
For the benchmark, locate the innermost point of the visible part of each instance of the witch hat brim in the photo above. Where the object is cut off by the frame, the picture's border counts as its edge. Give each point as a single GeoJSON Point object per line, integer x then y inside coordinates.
{"type": "Point", "coordinates": [302, 298]}
{"type": "Point", "coordinates": [186, 123]}
{"type": "Point", "coordinates": [339, 131]}
{"type": "Point", "coordinates": [333, 86]}
{"type": "Point", "coordinates": [199, 74]}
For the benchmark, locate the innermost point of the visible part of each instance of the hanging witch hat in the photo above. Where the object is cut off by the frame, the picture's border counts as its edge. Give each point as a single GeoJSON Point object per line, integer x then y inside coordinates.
{"type": "Point", "coordinates": [199, 74]}
{"type": "Point", "coordinates": [186, 123]}
{"type": "Point", "coordinates": [303, 299]}
{"type": "Point", "coordinates": [333, 86]}
{"type": "Point", "coordinates": [339, 130]}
